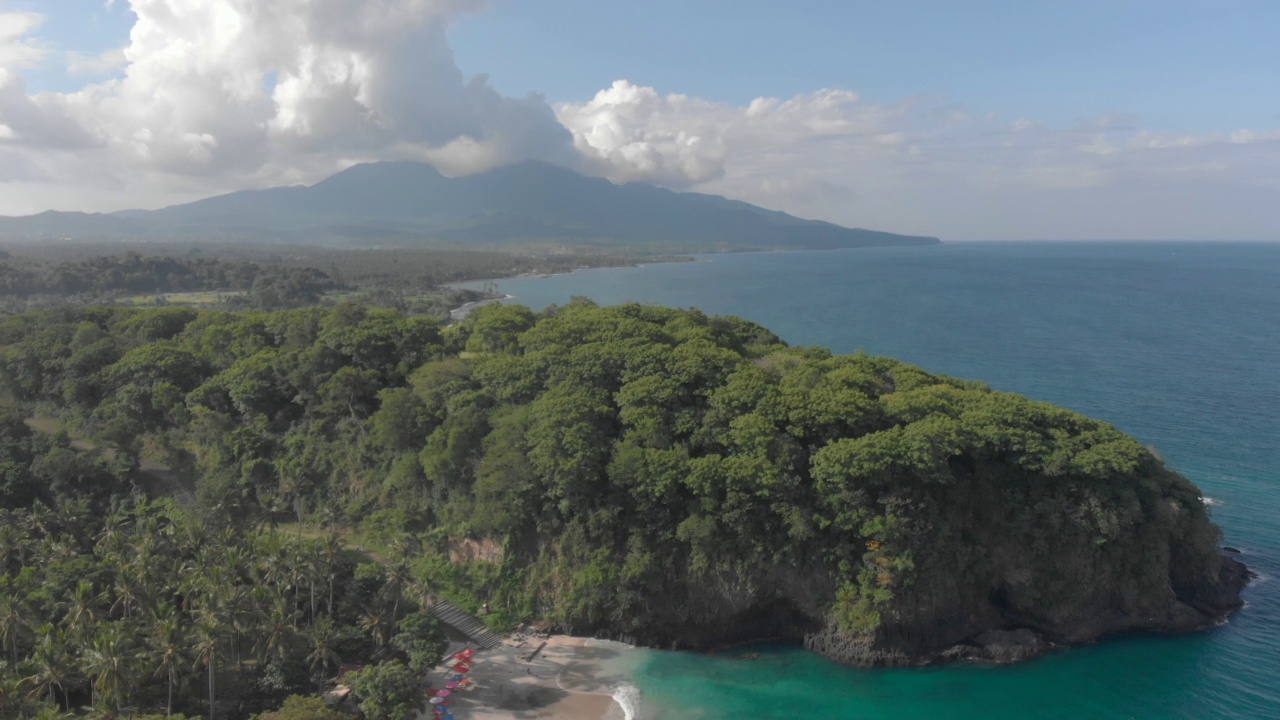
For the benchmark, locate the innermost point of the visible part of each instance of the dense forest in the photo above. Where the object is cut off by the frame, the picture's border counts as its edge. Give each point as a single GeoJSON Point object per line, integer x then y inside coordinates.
{"type": "Point", "coordinates": [229, 276]}
{"type": "Point", "coordinates": [117, 276]}
{"type": "Point", "coordinates": [638, 471]}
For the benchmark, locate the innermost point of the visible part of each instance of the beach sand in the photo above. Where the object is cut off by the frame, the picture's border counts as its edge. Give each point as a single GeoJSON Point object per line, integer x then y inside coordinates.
{"type": "Point", "coordinates": [571, 678]}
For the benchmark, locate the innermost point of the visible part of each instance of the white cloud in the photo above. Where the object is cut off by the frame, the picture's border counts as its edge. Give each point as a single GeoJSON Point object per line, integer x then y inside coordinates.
{"type": "Point", "coordinates": [16, 49]}
{"type": "Point", "coordinates": [216, 95]}
{"type": "Point", "coordinates": [219, 94]}
{"type": "Point", "coordinates": [926, 165]}
{"type": "Point", "coordinates": [96, 65]}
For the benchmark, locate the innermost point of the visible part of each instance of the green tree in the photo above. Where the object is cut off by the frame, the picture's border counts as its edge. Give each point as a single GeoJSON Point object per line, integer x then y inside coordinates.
{"type": "Point", "coordinates": [388, 691]}
{"type": "Point", "coordinates": [297, 707]}
{"type": "Point", "coordinates": [420, 637]}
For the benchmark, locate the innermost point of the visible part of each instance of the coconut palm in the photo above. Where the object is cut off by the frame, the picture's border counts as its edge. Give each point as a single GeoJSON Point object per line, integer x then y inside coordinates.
{"type": "Point", "coordinates": [128, 591]}
{"type": "Point", "coordinates": [109, 662]}
{"type": "Point", "coordinates": [331, 550]}
{"type": "Point", "coordinates": [13, 624]}
{"type": "Point", "coordinates": [377, 623]}
{"type": "Point", "coordinates": [52, 666]}
{"type": "Point", "coordinates": [278, 632]}
{"type": "Point", "coordinates": [204, 649]}
{"type": "Point", "coordinates": [84, 610]}
{"type": "Point", "coordinates": [398, 579]}
{"type": "Point", "coordinates": [13, 542]}
{"type": "Point", "coordinates": [322, 638]}
{"type": "Point", "coordinates": [168, 651]}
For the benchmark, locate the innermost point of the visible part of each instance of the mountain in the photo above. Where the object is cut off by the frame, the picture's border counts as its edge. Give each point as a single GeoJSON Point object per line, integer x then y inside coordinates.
{"type": "Point", "coordinates": [406, 203]}
{"type": "Point", "coordinates": [69, 225]}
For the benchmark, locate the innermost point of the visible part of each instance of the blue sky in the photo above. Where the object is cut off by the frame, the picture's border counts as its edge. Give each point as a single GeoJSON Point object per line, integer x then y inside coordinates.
{"type": "Point", "coordinates": [974, 119]}
{"type": "Point", "coordinates": [1189, 66]}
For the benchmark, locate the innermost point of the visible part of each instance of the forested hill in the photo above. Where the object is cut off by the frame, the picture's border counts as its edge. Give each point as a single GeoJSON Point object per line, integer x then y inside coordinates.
{"type": "Point", "coordinates": [654, 473]}
{"type": "Point", "coordinates": [403, 204]}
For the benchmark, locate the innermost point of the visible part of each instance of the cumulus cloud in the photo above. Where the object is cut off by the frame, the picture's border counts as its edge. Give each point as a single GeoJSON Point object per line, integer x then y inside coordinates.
{"type": "Point", "coordinates": [217, 94]}
{"type": "Point", "coordinates": [17, 49]}
{"type": "Point", "coordinates": [96, 65]}
{"type": "Point", "coordinates": [927, 165]}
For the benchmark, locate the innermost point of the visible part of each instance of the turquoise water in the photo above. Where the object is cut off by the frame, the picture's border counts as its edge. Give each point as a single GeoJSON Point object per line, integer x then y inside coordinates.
{"type": "Point", "coordinates": [1176, 343]}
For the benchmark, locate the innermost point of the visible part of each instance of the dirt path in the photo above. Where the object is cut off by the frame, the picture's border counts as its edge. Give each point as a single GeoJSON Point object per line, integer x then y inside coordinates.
{"type": "Point", "coordinates": [157, 479]}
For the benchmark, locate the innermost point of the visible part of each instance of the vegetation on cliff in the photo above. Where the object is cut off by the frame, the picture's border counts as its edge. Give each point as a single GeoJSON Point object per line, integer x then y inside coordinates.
{"type": "Point", "coordinates": [643, 471]}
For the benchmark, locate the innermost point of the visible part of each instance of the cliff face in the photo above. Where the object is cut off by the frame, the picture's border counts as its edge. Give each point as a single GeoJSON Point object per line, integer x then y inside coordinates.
{"type": "Point", "coordinates": [1004, 565]}
{"type": "Point", "coordinates": [689, 481]}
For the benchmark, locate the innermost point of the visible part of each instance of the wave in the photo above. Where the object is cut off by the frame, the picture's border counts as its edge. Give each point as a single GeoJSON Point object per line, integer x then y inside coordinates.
{"type": "Point", "coordinates": [1211, 502]}
{"type": "Point", "coordinates": [626, 698]}
{"type": "Point", "coordinates": [614, 644]}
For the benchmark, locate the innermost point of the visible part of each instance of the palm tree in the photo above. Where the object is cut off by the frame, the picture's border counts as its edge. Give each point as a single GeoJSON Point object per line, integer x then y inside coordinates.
{"type": "Point", "coordinates": [12, 699]}
{"type": "Point", "coordinates": [113, 538]}
{"type": "Point", "coordinates": [205, 652]}
{"type": "Point", "coordinates": [109, 664]}
{"type": "Point", "coordinates": [397, 581]}
{"type": "Point", "coordinates": [308, 568]}
{"type": "Point", "coordinates": [13, 624]}
{"type": "Point", "coordinates": [322, 638]}
{"type": "Point", "coordinates": [332, 550]}
{"type": "Point", "coordinates": [377, 624]}
{"type": "Point", "coordinates": [40, 520]}
{"type": "Point", "coordinates": [128, 591]}
{"type": "Point", "coordinates": [167, 650]}
{"type": "Point", "coordinates": [278, 631]}
{"type": "Point", "coordinates": [82, 613]}
{"type": "Point", "coordinates": [13, 541]}
{"type": "Point", "coordinates": [51, 666]}
{"type": "Point", "coordinates": [420, 590]}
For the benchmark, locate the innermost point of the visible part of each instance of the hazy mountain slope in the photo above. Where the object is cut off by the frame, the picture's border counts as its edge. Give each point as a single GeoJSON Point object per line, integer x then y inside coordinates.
{"type": "Point", "coordinates": [404, 203]}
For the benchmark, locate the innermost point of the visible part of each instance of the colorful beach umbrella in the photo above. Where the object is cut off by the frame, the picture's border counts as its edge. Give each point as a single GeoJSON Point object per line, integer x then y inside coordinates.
{"type": "Point", "coordinates": [436, 700]}
{"type": "Point", "coordinates": [452, 684]}
{"type": "Point", "coordinates": [458, 677]}
{"type": "Point", "coordinates": [442, 693]}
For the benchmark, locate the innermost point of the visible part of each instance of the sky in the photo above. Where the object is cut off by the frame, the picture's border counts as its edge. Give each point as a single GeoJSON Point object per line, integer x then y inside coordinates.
{"type": "Point", "coordinates": [983, 119]}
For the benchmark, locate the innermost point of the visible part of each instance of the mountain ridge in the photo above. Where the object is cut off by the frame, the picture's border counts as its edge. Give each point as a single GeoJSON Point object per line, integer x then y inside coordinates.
{"type": "Point", "coordinates": [403, 203]}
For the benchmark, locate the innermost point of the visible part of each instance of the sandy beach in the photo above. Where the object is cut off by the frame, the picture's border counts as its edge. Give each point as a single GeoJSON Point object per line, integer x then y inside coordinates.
{"type": "Point", "coordinates": [571, 678]}
{"type": "Point", "coordinates": [459, 313]}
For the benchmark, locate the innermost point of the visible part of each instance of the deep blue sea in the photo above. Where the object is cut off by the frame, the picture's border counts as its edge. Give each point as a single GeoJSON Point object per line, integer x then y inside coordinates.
{"type": "Point", "coordinates": [1175, 343]}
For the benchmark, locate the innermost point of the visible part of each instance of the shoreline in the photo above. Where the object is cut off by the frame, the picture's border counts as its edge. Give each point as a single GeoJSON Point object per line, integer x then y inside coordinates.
{"type": "Point", "coordinates": [637, 262]}
{"type": "Point", "coordinates": [571, 678]}
{"type": "Point", "coordinates": [461, 312]}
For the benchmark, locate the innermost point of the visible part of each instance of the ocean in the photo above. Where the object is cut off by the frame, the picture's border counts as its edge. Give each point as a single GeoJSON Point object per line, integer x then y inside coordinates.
{"type": "Point", "coordinates": [1177, 344]}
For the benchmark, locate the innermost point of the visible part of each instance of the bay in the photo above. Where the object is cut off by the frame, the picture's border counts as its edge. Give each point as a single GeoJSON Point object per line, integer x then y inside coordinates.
{"type": "Point", "coordinates": [1175, 343]}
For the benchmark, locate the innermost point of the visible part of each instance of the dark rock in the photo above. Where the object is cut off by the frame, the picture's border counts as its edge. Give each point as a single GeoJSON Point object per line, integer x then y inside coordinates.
{"type": "Point", "coordinates": [1009, 646]}
{"type": "Point", "coordinates": [1232, 550]}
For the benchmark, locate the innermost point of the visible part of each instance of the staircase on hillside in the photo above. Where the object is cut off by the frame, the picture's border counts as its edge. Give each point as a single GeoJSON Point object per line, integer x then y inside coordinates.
{"type": "Point", "coordinates": [465, 623]}
{"type": "Point", "coordinates": [163, 481]}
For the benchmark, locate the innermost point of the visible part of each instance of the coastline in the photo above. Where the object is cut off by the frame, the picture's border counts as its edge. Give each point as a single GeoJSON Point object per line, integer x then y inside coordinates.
{"type": "Point", "coordinates": [460, 312]}
{"type": "Point", "coordinates": [568, 677]}
{"type": "Point", "coordinates": [631, 263]}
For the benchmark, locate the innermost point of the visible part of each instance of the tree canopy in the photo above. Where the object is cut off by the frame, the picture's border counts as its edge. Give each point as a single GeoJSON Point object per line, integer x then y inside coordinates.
{"type": "Point", "coordinates": [636, 470]}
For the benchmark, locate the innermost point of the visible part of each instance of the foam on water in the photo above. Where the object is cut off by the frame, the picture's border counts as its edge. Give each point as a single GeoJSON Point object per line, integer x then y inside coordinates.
{"type": "Point", "coordinates": [626, 698]}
